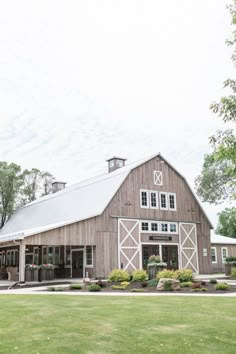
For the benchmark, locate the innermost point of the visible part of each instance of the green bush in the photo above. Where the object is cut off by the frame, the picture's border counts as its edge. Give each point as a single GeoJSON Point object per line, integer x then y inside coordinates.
{"type": "Point", "coordinates": [166, 274]}
{"type": "Point", "coordinates": [222, 286]}
{"type": "Point", "coordinates": [118, 275]}
{"type": "Point", "coordinates": [139, 275]}
{"type": "Point", "coordinates": [75, 287]}
{"type": "Point", "coordinates": [204, 289]}
{"type": "Point", "coordinates": [233, 272]}
{"type": "Point", "coordinates": [137, 290]}
{"type": "Point", "coordinates": [213, 281]}
{"type": "Point", "coordinates": [51, 288]}
{"type": "Point", "coordinates": [168, 285]}
{"type": "Point", "coordinates": [186, 284]}
{"type": "Point", "coordinates": [125, 283]}
{"type": "Point", "coordinates": [119, 287]}
{"type": "Point", "coordinates": [197, 289]}
{"type": "Point", "coordinates": [94, 287]}
{"type": "Point", "coordinates": [152, 282]}
{"type": "Point", "coordinates": [184, 275]}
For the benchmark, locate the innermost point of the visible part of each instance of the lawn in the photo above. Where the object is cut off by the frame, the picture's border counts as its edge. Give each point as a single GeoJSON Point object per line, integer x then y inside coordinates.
{"type": "Point", "coordinates": [79, 324]}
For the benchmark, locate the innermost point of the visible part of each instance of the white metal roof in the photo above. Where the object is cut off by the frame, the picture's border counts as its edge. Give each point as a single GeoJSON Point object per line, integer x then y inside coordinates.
{"type": "Point", "coordinates": [222, 239]}
{"type": "Point", "coordinates": [78, 202]}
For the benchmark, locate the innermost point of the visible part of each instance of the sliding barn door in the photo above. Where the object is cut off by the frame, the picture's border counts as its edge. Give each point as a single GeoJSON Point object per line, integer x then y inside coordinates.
{"type": "Point", "coordinates": [188, 246]}
{"type": "Point", "coordinates": [128, 244]}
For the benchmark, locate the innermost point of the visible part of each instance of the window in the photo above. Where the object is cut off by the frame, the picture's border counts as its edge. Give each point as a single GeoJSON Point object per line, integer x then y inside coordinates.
{"type": "Point", "coordinates": [119, 163]}
{"type": "Point", "coordinates": [157, 175]}
{"type": "Point", "coordinates": [153, 200]}
{"type": "Point", "coordinates": [172, 201]}
{"type": "Point", "coordinates": [36, 255]}
{"type": "Point", "coordinates": [173, 228]}
{"type": "Point", "coordinates": [213, 255]}
{"type": "Point", "coordinates": [163, 201]}
{"type": "Point", "coordinates": [164, 227]}
{"type": "Point", "coordinates": [89, 256]}
{"type": "Point", "coordinates": [154, 226]}
{"type": "Point", "coordinates": [111, 163]}
{"type": "Point", "coordinates": [224, 253]}
{"type": "Point", "coordinates": [144, 202]}
{"type": "Point", "coordinates": [67, 255]}
{"type": "Point", "coordinates": [144, 226]}
{"type": "Point", "coordinates": [57, 255]}
{"type": "Point", "coordinates": [12, 258]}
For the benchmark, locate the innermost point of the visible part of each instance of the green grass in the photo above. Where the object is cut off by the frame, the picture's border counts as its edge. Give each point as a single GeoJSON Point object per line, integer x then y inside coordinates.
{"type": "Point", "coordinates": [49, 324]}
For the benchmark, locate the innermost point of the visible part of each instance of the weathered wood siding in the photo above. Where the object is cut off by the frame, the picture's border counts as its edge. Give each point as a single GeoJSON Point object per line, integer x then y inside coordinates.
{"type": "Point", "coordinates": [219, 266]}
{"type": "Point", "coordinates": [102, 231]}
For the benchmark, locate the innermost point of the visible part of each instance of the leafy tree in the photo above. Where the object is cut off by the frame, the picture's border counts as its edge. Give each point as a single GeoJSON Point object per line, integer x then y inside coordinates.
{"type": "Point", "coordinates": [10, 183]}
{"type": "Point", "coordinates": [217, 181]}
{"type": "Point", "coordinates": [18, 188]}
{"type": "Point", "coordinates": [227, 222]}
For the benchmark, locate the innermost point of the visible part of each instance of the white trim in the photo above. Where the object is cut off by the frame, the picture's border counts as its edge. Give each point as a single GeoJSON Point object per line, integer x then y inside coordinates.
{"type": "Point", "coordinates": [182, 241]}
{"type": "Point", "coordinates": [222, 257]}
{"type": "Point", "coordinates": [166, 197]}
{"type": "Point", "coordinates": [214, 248]}
{"type": "Point", "coordinates": [150, 199]}
{"type": "Point", "coordinates": [157, 178]}
{"type": "Point", "coordinates": [175, 206]}
{"type": "Point", "coordinates": [140, 198]}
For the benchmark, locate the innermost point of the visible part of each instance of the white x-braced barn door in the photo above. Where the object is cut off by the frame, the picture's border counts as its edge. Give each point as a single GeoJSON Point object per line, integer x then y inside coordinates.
{"type": "Point", "coordinates": [188, 246]}
{"type": "Point", "coordinates": [128, 244]}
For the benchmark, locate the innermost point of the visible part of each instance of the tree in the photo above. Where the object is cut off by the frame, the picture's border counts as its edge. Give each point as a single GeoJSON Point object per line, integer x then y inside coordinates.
{"type": "Point", "coordinates": [10, 182]}
{"type": "Point", "coordinates": [227, 222]}
{"type": "Point", "coordinates": [217, 181]}
{"type": "Point", "coordinates": [18, 188]}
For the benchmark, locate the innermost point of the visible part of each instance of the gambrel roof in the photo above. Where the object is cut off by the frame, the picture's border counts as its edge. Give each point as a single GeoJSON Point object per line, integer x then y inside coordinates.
{"type": "Point", "coordinates": [75, 203]}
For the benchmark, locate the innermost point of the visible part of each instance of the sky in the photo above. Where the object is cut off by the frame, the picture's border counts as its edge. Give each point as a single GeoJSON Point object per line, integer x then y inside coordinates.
{"type": "Point", "coordinates": [82, 81]}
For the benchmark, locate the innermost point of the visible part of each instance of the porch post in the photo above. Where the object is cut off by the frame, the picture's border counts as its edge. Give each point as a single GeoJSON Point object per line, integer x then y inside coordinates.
{"type": "Point", "coordinates": [22, 263]}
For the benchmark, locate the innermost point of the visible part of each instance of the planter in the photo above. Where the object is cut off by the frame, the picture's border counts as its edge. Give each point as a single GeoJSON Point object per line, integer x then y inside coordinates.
{"type": "Point", "coordinates": [46, 274]}
{"type": "Point", "coordinates": [31, 275]}
{"type": "Point", "coordinates": [153, 270]}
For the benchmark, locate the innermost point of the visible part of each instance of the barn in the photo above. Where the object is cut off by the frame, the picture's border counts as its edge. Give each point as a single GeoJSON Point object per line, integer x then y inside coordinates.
{"type": "Point", "coordinates": [114, 220]}
{"type": "Point", "coordinates": [221, 247]}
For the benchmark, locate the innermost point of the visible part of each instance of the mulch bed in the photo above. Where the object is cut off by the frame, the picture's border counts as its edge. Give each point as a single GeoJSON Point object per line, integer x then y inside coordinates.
{"type": "Point", "coordinates": [137, 287]}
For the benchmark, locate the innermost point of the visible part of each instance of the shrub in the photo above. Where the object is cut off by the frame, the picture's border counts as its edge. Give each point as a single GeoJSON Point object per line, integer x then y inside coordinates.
{"type": "Point", "coordinates": [75, 287]}
{"type": "Point", "coordinates": [94, 287]}
{"type": "Point", "coordinates": [233, 272]}
{"type": "Point", "coordinates": [101, 284]}
{"type": "Point", "coordinates": [167, 285]}
{"type": "Point", "coordinates": [119, 287]}
{"type": "Point", "coordinates": [137, 290]}
{"type": "Point", "coordinates": [196, 289]}
{"type": "Point", "coordinates": [222, 286]}
{"type": "Point", "coordinates": [186, 284]}
{"type": "Point", "coordinates": [213, 281]}
{"type": "Point", "coordinates": [204, 289]}
{"type": "Point", "coordinates": [125, 283]}
{"type": "Point", "coordinates": [51, 288]}
{"type": "Point", "coordinates": [196, 286]}
{"type": "Point", "coordinates": [230, 260]}
{"type": "Point", "coordinates": [152, 282]}
{"type": "Point", "coordinates": [139, 275]}
{"type": "Point", "coordinates": [184, 275]}
{"type": "Point", "coordinates": [118, 275]}
{"type": "Point", "coordinates": [166, 274]}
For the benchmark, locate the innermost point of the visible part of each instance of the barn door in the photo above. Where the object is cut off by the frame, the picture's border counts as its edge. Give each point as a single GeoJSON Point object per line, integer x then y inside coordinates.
{"type": "Point", "coordinates": [188, 246]}
{"type": "Point", "coordinates": [128, 244]}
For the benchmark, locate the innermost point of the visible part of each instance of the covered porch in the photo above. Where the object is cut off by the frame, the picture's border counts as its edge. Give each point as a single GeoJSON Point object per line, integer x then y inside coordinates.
{"type": "Point", "coordinates": [24, 262]}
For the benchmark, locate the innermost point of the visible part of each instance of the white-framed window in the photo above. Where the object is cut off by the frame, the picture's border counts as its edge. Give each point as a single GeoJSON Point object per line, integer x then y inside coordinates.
{"type": "Point", "coordinates": [173, 228]}
{"type": "Point", "coordinates": [144, 200]}
{"type": "Point", "coordinates": [111, 163]}
{"type": "Point", "coordinates": [213, 255]}
{"type": "Point", "coordinates": [89, 256]}
{"type": "Point", "coordinates": [36, 255]}
{"type": "Point", "coordinates": [153, 196]}
{"type": "Point", "coordinates": [157, 176]}
{"type": "Point", "coordinates": [154, 226]}
{"type": "Point", "coordinates": [224, 253]}
{"type": "Point", "coordinates": [119, 163]}
{"type": "Point", "coordinates": [163, 201]}
{"type": "Point", "coordinates": [172, 201]}
{"type": "Point", "coordinates": [145, 226]}
{"type": "Point", "coordinates": [164, 227]}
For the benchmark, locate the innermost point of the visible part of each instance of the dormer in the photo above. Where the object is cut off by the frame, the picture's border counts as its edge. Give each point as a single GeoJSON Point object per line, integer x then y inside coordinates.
{"type": "Point", "coordinates": [58, 186]}
{"type": "Point", "coordinates": [115, 162]}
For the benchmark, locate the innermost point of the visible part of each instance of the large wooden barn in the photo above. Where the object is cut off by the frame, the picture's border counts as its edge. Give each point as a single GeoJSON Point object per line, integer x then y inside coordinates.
{"type": "Point", "coordinates": [115, 220]}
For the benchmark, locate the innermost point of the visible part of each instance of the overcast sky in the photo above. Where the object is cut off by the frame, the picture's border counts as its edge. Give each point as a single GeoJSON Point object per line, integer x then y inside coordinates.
{"type": "Point", "coordinates": [81, 81]}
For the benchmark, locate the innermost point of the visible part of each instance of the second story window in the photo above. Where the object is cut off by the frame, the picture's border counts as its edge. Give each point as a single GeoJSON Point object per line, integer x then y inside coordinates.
{"type": "Point", "coordinates": [153, 200]}
{"type": "Point", "coordinates": [163, 201]}
{"type": "Point", "coordinates": [144, 201]}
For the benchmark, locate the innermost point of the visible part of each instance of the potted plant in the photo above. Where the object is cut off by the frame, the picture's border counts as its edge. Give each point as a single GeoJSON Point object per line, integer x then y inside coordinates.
{"type": "Point", "coordinates": [154, 266]}
{"type": "Point", "coordinates": [31, 272]}
{"type": "Point", "coordinates": [46, 272]}
{"type": "Point", "coordinates": [230, 262]}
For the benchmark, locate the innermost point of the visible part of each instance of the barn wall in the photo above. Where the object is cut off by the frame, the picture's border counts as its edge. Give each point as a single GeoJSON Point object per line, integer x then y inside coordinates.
{"type": "Point", "coordinates": [219, 266]}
